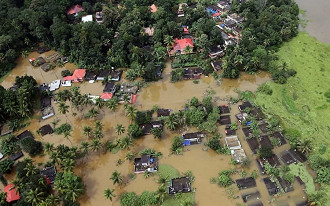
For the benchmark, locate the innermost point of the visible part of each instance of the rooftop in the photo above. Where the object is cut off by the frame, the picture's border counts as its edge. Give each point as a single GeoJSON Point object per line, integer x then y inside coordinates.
{"type": "Point", "coordinates": [11, 193]}
{"type": "Point", "coordinates": [245, 183]}
{"type": "Point", "coordinates": [46, 129]}
{"type": "Point", "coordinates": [181, 184]}
{"type": "Point", "coordinates": [49, 173]}
{"type": "Point", "coordinates": [145, 163]}
{"type": "Point", "coordinates": [25, 134]}
{"type": "Point", "coordinates": [225, 119]}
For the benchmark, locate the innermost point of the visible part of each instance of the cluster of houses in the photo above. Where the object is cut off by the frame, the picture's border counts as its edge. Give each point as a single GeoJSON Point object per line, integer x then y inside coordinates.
{"type": "Point", "coordinates": [267, 139]}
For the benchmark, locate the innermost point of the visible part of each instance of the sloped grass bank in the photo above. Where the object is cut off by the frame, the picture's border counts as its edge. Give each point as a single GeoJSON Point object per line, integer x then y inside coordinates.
{"type": "Point", "coordinates": [303, 104]}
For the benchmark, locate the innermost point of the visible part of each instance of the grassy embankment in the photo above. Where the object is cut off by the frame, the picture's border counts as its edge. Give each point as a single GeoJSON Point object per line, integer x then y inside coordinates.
{"type": "Point", "coordinates": [170, 172]}
{"type": "Point", "coordinates": [303, 104]}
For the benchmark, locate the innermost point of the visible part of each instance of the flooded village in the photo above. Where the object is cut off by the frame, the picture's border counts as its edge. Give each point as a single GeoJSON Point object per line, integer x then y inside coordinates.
{"type": "Point", "coordinates": [189, 138]}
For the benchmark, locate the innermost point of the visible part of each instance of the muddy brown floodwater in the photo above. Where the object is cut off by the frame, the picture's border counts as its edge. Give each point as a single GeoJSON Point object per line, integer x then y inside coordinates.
{"type": "Point", "coordinates": [317, 13]}
{"type": "Point", "coordinates": [97, 167]}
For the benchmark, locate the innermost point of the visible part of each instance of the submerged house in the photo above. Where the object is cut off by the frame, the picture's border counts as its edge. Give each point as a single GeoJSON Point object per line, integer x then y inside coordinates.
{"type": "Point", "coordinates": [25, 134]}
{"type": "Point", "coordinates": [36, 62]}
{"type": "Point", "coordinates": [146, 128]}
{"type": "Point", "coordinates": [244, 105]}
{"type": "Point", "coordinates": [238, 155]}
{"type": "Point", "coordinates": [46, 108]}
{"type": "Point", "coordinates": [179, 185]}
{"type": "Point", "coordinates": [115, 75]}
{"type": "Point", "coordinates": [49, 173]}
{"type": "Point", "coordinates": [271, 186]}
{"type": "Point", "coordinates": [145, 163]}
{"type": "Point", "coordinates": [192, 73]}
{"type": "Point", "coordinates": [77, 76]}
{"type": "Point", "coordinates": [46, 129]}
{"type": "Point", "coordinates": [192, 138]}
{"type": "Point", "coordinates": [251, 196]}
{"type": "Point", "coordinates": [12, 194]}
{"type": "Point", "coordinates": [127, 88]}
{"type": "Point", "coordinates": [180, 45]}
{"type": "Point", "coordinates": [245, 183]}
{"type": "Point", "coordinates": [163, 112]}
{"type": "Point", "coordinates": [90, 76]}
{"type": "Point", "coordinates": [225, 119]}
{"type": "Point", "coordinates": [110, 87]}
{"type": "Point", "coordinates": [48, 66]}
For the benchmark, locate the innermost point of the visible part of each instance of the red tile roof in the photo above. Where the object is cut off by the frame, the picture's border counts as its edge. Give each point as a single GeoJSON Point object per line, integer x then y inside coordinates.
{"type": "Point", "coordinates": [106, 95]}
{"type": "Point", "coordinates": [153, 8]}
{"type": "Point", "coordinates": [180, 44]}
{"type": "Point", "coordinates": [133, 99]}
{"type": "Point", "coordinates": [78, 75]}
{"type": "Point", "coordinates": [12, 194]}
{"type": "Point", "coordinates": [75, 9]}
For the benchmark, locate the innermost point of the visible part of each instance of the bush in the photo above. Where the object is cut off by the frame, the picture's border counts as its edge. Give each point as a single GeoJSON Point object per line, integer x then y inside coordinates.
{"type": "Point", "coordinates": [214, 144]}
{"type": "Point", "coordinates": [6, 166]}
{"type": "Point", "coordinates": [134, 131]}
{"type": "Point", "coordinates": [31, 146]}
{"type": "Point", "coordinates": [224, 178]}
{"type": "Point", "coordinates": [265, 152]}
{"type": "Point", "coordinates": [177, 145]}
{"type": "Point", "coordinates": [128, 199]}
{"type": "Point", "coordinates": [65, 73]}
{"type": "Point", "coordinates": [265, 89]}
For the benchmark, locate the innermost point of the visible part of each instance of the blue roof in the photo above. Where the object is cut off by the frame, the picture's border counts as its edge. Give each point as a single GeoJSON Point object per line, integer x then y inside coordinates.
{"type": "Point", "coordinates": [186, 142]}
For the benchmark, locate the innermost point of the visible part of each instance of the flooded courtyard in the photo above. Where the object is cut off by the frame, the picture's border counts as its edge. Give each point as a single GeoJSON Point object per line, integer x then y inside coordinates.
{"type": "Point", "coordinates": [97, 167]}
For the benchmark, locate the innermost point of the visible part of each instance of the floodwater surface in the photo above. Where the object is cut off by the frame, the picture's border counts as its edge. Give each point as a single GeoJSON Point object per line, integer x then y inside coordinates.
{"type": "Point", "coordinates": [97, 167]}
{"type": "Point", "coordinates": [318, 14]}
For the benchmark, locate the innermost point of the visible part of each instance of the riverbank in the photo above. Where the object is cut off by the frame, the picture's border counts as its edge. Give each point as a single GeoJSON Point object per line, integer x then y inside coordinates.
{"type": "Point", "coordinates": [302, 103]}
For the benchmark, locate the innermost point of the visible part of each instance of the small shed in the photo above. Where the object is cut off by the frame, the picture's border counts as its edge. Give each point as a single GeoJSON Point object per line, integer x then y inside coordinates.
{"type": "Point", "coordinates": [25, 134]}
{"type": "Point", "coordinates": [245, 183]}
{"type": "Point", "coordinates": [16, 156]}
{"type": "Point", "coordinates": [36, 62]}
{"type": "Point", "coordinates": [11, 193]}
{"type": "Point", "coordinates": [271, 186]}
{"type": "Point", "coordinates": [48, 66]}
{"type": "Point", "coordinates": [179, 185]}
{"type": "Point", "coordinates": [46, 129]}
{"type": "Point", "coordinates": [5, 129]}
{"type": "Point", "coordinates": [216, 65]}
{"type": "Point", "coordinates": [225, 119]}
{"type": "Point", "coordinates": [233, 142]}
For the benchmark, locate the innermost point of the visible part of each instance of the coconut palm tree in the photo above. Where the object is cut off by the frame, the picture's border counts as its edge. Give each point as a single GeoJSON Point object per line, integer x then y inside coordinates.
{"type": "Point", "coordinates": [92, 113]}
{"type": "Point", "coordinates": [96, 144]}
{"type": "Point", "coordinates": [161, 194]}
{"type": "Point", "coordinates": [67, 134]}
{"type": "Point", "coordinates": [172, 122]}
{"type": "Point", "coordinates": [305, 146]}
{"type": "Point", "coordinates": [85, 147]}
{"type": "Point", "coordinates": [98, 134]}
{"type": "Point", "coordinates": [30, 169]}
{"type": "Point", "coordinates": [51, 200]}
{"type": "Point", "coordinates": [109, 194]}
{"type": "Point", "coordinates": [120, 129]}
{"type": "Point", "coordinates": [112, 105]}
{"type": "Point", "coordinates": [68, 164]}
{"type": "Point", "coordinates": [63, 108]}
{"type": "Point", "coordinates": [131, 112]}
{"type": "Point", "coordinates": [99, 102]}
{"type": "Point", "coordinates": [98, 125]}
{"type": "Point", "coordinates": [87, 131]}
{"type": "Point", "coordinates": [49, 147]}
{"type": "Point", "coordinates": [34, 197]}
{"type": "Point", "coordinates": [126, 142]}
{"type": "Point", "coordinates": [162, 181]}
{"type": "Point", "coordinates": [116, 178]}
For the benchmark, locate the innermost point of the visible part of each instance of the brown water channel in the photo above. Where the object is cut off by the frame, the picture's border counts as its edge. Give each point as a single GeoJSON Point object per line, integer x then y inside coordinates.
{"type": "Point", "coordinates": [96, 168]}
{"type": "Point", "coordinates": [317, 14]}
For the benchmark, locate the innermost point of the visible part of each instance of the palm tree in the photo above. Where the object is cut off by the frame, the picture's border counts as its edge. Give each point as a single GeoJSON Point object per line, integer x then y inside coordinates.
{"type": "Point", "coordinates": [25, 53]}
{"type": "Point", "coordinates": [162, 181]}
{"type": "Point", "coordinates": [109, 194]}
{"type": "Point", "coordinates": [126, 142]}
{"type": "Point", "coordinates": [63, 108]}
{"type": "Point", "coordinates": [49, 147]}
{"type": "Point", "coordinates": [68, 164]}
{"type": "Point", "coordinates": [30, 169]}
{"type": "Point", "coordinates": [305, 146]}
{"type": "Point", "coordinates": [98, 125]}
{"type": "Point", "coordinates": [98, 134]}
{"type": "Point", "coordinates": [131, 112]}
{"type": "Point", "coordinates": [99, 102]}
{"type": "Point", "coordinates": [87, 131]}
{"type": "Point", "coordinates": [161, 194]}
{"type": "Point", "coordinates": [96, 144]}
{"type": "Point", "coordinates": [112, 105]}
{"type": "Point", "coordinates": [85, 147]}
{"type": "Point", "coordinates": [120, 129]}
{"type": "Point", "coordinates": [92, 113]}
{"type": "Point", "coordinates": [67, 134]}
{"type": "Point", "coordinates": [51, 200]}
{"type": "Point", "coordinates": [116, 178]}
{"type": "Point", "coordinates": [172, 122]}
{"type": "Point", "coordinates": [34, 197]}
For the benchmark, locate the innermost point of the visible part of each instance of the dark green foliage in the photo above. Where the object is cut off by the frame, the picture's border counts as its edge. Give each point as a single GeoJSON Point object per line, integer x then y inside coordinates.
{"type": "Point", "coordinates": [321, 167]}
{"type": "Point", "coordinates": [63, 128]}
{"type": "Point", "coordinates": [128, 199]}
{"type": "Point", "coordinates": [143, 117]}
{"type": "Point", "coordinates": [157, 132]}
{"type": "Point", "coordinates": [177, 145]}
{"type": "Point", "coordinates": [134, 131]}
{"type": "Point", "coordinates": [150, 152]}
{"type": "Point", "coordinates": [265, 89]}
{"type": "Point", "coordinates": [176, 75]}
{"type": "Point", "coordinates": [265, 152]}
{"type": "Point", "coordinates": [131, 199]}
{"type": "Point", "coordinates": [31, 146]}
{"type": "Point", "coordinates": [65, 73]}
{"type": "Point", "coordinates": [194, 102]}
{"type": "Point", "coordinates": [69, 186]}
{"type": "Point", "coordinates": [224, 179]}
{"type": "Point", "coordinates": [6, 166]}
{"type": "Point", "coordinates": [214, 143]}
{"type": "Point", "coordinates": [9, 145]}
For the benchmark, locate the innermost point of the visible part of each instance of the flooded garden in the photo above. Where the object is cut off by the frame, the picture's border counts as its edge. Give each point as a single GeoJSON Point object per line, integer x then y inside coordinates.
{"type": "Point", "coordinates": [203, 163]}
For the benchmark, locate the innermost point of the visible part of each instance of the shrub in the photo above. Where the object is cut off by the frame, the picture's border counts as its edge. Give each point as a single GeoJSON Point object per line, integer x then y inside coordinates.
{"type": "Point", "coordinates": [31, 146]}
{"type": "Point", "coordinates": [224, 178]}
{"type": "Point", "coordinates": [157, 132]}
{"type": "Point", "coordinates": [214, 144]}
{"type": "Point", "coordinates": [265, 89]}
{"type": "Point", "coordinates": [134, 131]}
{"type": "Point", "coordinates": [65, 73]}
{"type": "Point", "coordinates": [177, 145]}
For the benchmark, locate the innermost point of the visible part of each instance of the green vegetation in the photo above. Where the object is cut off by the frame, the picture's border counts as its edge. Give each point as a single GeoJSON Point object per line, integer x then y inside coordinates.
{"type": "Point", "coordinates": [302, 104]}
{"type": "Point", "coordinates": [224, 179]}
{"type": "Point", "coordinates": [300, 170]}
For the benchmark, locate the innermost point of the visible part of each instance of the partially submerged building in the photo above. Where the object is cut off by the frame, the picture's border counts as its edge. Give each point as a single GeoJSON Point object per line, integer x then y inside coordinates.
{"type": "Point", "coordinates": [247, 197]}
{"type": "Point", "coordinates": [238, 155]}
{"type": "Point", "coordinates": [233, 142]}
{"type": "Point", "coordinates": [145, 163]}
{"type": "Point", "coordinates": [12, 194]}
{"type": "Point", "coordinates": [54, 85]}
{"type": "Point", "coordinates": [110, 87]}
{"type": "Point", "coordinates": [224, 109]}
{"type": "Point", "coordinates": [46, 129]}
{"type": "Point", "coordinates": [16, 156]}
{"type": "Point", "coordinates": [36, 62]}
{"type": "Point", "coordinates": [77, 76]}
{"type": "Point", "coordinates": [146, 128]}
{"type": "Point", "coordinates": [224, 120]}
{"type": "Point", "coordinates": [192, 138]}
{"type": "Point", "coordinates": [273, 161]}
{"type": "Point", "coordinates": [179, 185]}
{"type": "Point", "coordinates": [253, 144]}
{"type": "Point", "coordinates": [48, 66]}
{"type": "Point", "coordinates": [25, 134]}
{"type": "Point", "coordinates": [271, 186]}
{"type": "Point", "coordinates": [49, 173]}
{"type": "Point", "coordinates": [245, 183]}
{"type": "Point", "coordinates": [163, 112]}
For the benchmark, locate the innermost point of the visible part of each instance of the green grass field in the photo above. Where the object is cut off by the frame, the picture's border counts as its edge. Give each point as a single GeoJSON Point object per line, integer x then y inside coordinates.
{"type": "Point", "coordinates": [303, 103]}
